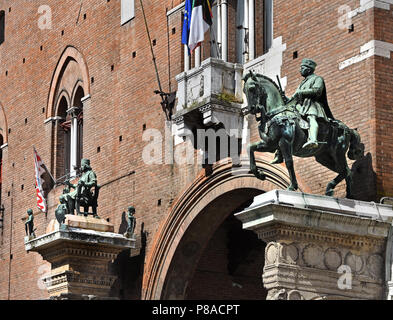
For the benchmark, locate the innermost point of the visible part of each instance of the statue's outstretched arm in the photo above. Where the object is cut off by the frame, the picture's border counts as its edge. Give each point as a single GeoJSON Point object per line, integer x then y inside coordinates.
{"type": "Point", "coordinates": [71, 185]}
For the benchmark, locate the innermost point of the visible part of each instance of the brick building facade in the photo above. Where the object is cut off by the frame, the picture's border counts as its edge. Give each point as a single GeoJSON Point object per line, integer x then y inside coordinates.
{"type": "Point", "coordinates": [95, 55]}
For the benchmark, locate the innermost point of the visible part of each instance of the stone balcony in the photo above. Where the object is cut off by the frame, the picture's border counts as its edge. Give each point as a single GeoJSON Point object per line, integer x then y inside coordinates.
{"type": "Point", "coordinates": [209, 96]}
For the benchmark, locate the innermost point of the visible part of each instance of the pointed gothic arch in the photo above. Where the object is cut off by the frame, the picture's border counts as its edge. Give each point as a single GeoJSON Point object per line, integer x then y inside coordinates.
{"type": "Point", "coordinates": [70, 53]}
{"type": "Point", "coordinates": [70, 84]}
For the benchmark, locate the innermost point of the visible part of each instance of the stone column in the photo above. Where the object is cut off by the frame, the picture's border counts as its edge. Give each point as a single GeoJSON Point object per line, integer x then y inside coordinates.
{"type": "Point", "coordinates": [219, 28]}
{"type": "Point", "coordinates": [320, 247]}
{"type": "Point", "coordinates": [186, 59]}
{"type": "Point", "coordinates": [198, 57]}
{"type": "Point", "coordinates": [74, 138]}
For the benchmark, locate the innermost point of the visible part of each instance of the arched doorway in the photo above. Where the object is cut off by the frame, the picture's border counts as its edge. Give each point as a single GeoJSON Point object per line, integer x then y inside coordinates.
{"type": "Point", "coordinates": [201, 220]}
{"type": "Point", "coordinates": [228, 266]}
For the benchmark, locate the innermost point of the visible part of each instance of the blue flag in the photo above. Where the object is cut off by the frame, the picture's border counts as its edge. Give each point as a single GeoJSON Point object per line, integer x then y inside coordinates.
{"type": "Point", "coordinates": [186, 23]}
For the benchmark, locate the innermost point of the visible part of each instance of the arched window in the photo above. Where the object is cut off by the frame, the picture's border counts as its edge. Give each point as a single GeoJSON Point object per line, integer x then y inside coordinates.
{"type": "Point", "coordinates": [71, 81]}
{"type": "Point", "coordinates": [79, 94]}
{"type": "Point", "coordinates": [63, 143]}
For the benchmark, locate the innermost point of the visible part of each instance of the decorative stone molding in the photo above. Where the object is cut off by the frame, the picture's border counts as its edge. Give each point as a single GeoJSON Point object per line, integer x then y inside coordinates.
{"type": "Point", "coordinates": [176, 9]}
{"type": "Point", "coordinates": [371, 48]}
{"type": "Point", "coordinates": [311, 237]}
{"type": "Point", "coordinates": [53, 119]}
{"type": "Point", "coordinates": [369, 4]}
{"type": "Point", "coordinates": [79, 256]}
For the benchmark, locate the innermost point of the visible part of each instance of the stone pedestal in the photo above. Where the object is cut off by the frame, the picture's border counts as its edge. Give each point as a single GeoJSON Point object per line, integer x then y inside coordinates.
{"type": "Point", "coordinates": [80, 252]}
{"type": "Point", "coordinates": [320, 247]}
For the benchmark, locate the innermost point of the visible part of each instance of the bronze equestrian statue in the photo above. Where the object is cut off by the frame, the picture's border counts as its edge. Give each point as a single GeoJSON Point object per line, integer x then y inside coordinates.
{"type": "Point", "coordinates": [302, 126]}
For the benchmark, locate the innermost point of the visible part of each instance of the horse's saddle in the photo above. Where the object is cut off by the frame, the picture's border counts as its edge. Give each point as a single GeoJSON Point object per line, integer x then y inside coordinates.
{"type": "Point", "coordinates": [282, 119]}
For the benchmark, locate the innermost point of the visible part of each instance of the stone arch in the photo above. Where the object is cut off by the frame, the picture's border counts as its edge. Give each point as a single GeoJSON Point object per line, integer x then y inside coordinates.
{"type": "Point", "coordinates": [70, 53]}
{"type": "Point", "coordinates": [180, 226]}
{"type": "Point", "coordinates": [76, 94]}
{"type": "Point", "coordinates": [61, 97]}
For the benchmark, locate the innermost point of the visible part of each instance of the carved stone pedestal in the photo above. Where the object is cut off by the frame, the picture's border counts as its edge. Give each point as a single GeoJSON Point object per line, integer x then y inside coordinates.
{"type": "Point", "coordinates": [80, 252]}
{"type": "Point", "coordinates": [320, 247]}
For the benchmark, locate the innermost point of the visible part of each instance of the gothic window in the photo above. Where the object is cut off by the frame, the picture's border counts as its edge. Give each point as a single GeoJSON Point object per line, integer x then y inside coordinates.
{"type": "Point", "coordinates": [63, 143]}
{"type": "Point", "coordinates": [68, 93]}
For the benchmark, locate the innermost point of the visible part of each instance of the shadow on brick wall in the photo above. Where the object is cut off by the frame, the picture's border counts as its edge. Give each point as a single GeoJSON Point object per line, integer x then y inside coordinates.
{"type": "Point", "coordinates": [129, 266]}
{"type": "Point", "coordinates": [364, 179]}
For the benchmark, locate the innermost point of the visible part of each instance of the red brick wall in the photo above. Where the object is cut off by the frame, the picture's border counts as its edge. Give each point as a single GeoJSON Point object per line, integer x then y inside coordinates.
{"type": "Point", "coordinates": [122, 101]}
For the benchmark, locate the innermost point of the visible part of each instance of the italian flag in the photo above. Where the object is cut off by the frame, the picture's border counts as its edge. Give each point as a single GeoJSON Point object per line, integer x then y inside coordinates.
{"type": "Point", "coordinates": [201, 20]}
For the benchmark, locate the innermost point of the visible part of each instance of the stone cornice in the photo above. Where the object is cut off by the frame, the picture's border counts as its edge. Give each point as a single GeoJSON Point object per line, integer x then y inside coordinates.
{"type": "Point", "coordinates": [81, 236]}
{"type": "Point", "coordinates": [268, 211]}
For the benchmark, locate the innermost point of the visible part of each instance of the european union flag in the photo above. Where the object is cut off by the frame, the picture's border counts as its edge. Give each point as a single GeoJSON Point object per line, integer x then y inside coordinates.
{"type": "Point", "coordinates": [186, 23]}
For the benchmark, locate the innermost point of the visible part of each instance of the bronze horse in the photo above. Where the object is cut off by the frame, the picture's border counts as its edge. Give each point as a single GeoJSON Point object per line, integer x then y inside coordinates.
{"type": "Point", "coordinates": [281, 127]}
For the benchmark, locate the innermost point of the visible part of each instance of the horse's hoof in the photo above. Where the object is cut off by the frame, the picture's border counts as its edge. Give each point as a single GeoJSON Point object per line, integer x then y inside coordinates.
{"type": "Point", "coordinates": [329, 193]}
{"type": "Point", "coordinates": [292, 188]}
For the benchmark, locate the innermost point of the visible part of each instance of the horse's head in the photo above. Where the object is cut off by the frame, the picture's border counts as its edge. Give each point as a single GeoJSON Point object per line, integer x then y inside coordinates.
{"type": "Point", "coordinates": [255, 93]}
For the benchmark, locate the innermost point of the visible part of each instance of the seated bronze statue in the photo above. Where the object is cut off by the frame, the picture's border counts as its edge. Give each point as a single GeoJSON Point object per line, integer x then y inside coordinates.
{"type": "Point", "coordinates": [85, 193]}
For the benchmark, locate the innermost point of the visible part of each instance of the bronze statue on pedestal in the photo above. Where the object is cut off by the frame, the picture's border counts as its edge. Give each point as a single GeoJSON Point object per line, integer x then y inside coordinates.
{"type": "Point", "coordinates": [302, 126]}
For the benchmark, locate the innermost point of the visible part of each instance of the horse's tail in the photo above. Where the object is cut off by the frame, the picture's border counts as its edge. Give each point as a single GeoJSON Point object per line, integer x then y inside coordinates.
{"type": "Point", "coordinates": [356, 147]}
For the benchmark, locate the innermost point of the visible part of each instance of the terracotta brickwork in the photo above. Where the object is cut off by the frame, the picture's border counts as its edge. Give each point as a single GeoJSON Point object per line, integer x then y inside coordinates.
{"type": "Point", "coordinates": [114, 64]}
